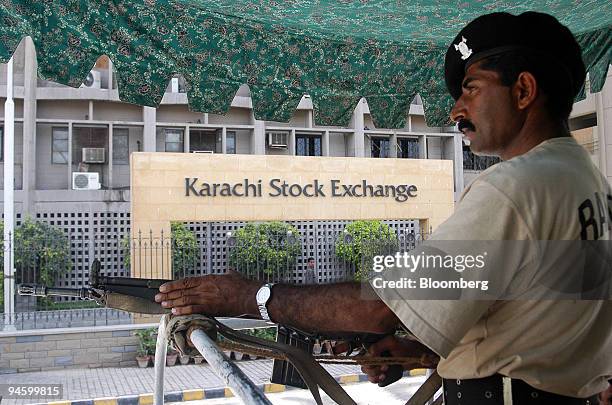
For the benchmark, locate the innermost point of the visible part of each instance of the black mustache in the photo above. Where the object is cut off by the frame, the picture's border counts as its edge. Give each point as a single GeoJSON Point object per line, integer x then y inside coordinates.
{"type": "Point", "coordinates": [465, 124]}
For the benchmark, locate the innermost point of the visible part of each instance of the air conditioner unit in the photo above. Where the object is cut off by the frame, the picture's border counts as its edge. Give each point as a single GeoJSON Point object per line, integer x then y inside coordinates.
{"type": "Point", "coordinates": [93, 155]}
{"type": "Point", "coordinates": [202, 151]}
{"type": "Point", "coordinates": [92, 81]}
{"type": "Point", "coordinates": [85, 181]}
{"type": "Point", "coordinates": [277, 139]}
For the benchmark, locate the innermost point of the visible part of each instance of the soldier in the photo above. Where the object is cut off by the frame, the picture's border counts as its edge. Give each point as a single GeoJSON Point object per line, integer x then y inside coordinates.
{"type": "Point", "coordinates": [514, 79]}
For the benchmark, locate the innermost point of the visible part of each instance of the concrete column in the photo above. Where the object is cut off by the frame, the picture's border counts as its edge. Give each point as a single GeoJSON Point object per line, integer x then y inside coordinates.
{"type": "Point", "coordinates": [258, 139]}
{"type": "Point", "coordinates": [359, 133]}
{"type": "Point", "coordinates": [90, 113]}
{"type": "Point", "coordinates": [206, 118]}
{"type": "Point", "coordinates": [186, 138]}
{"type": "Point", "coordinates": [325, 144]}
{"type": "Point", "coordinates": [603, 105]}
{"type": "Point", "coordinates": [70, 155]}
{"type": "Point", "coordinates": [224, 140]}
{"type": "Point", "coordinates": [458, 165]}
{"type": "Point", "coordinates": [309, 119]}
{"type": "Point", "coordinates": [110, 156]}
{"type": "Point", "coordinates": [110, 74]}
{"type": "Point", "coordinates": [29, 127]}
{"type": "Point", "coordinates": [422, 147]}
{"type": "Point", "coordinates": [9, 199]}
{"type": "Point", "coordinates": [291, 145]}
{"type": "Point", "coordinates": [393, 145]}
{"type": "Point", "coordinates": [149, 116]}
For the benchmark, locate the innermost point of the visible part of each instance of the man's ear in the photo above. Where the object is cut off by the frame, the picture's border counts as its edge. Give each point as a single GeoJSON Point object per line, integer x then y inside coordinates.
{"type": "Point", "coordinates": [525, 90]}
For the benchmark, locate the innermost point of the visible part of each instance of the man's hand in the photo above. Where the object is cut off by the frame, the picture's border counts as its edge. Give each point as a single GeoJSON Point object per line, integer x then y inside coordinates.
{"type": "Point", "coordinates": [216, 295]}
{"type": "Point", "coordinates": [398, 347]}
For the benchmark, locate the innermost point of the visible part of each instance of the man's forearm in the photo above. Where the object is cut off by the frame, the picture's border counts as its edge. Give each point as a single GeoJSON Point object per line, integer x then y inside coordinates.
{"type": "Point", "coordinates": [328, 308]}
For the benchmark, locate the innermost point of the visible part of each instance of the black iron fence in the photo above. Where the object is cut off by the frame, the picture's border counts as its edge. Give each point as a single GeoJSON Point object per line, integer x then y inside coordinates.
{"type": "Point", "coordinates": [286, 256]}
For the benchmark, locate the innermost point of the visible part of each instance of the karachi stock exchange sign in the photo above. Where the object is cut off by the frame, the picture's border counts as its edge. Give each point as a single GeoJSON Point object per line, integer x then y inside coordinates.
{"type": "Point", "coordinates": [278, 187]}
{"type": "Point", "coordinates": [185, 187]}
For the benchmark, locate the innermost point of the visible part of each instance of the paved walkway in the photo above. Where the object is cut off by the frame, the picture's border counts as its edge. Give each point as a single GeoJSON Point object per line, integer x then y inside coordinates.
{"type": "Point", "coordinates": [113, 382]}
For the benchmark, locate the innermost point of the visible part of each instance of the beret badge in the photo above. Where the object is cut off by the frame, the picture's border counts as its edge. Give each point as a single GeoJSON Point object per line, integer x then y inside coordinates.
{"type": "Point", "coordinates": [463, 48]}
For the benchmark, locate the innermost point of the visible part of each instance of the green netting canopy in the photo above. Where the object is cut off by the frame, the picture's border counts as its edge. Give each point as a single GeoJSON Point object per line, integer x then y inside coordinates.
{"type": "Point", "coordinates": [337, 51]}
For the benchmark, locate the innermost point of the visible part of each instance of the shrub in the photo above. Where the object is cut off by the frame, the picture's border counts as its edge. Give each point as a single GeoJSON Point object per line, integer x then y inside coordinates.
{"type": "Point", "coordinates": [41, 255]}
{"type": "Point", "coordinates": [361, 241]}
{"type": "Point", "coordinates": [265, 249]}
{"type": "Point", "coordinates": [147, 339]}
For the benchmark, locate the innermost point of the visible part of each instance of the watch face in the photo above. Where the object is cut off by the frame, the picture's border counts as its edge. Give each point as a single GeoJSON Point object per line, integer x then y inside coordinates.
{"type": "Point", "coordinates": [263, 295]}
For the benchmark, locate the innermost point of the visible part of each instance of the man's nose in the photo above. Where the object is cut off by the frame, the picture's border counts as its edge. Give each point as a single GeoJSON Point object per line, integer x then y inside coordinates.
{"type": "Point", "coordinates": [458, 111]}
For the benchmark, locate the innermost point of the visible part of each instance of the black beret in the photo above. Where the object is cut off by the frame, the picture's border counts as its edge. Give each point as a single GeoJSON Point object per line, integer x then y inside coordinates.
{"type": "Point", "coordinates": [494, 34]}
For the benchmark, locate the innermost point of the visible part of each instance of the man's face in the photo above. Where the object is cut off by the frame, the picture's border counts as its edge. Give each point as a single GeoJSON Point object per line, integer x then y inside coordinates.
{"type": "Point", "coordinates": [311, 264]}
{"type": "Point", "coordinates": [486, 111]}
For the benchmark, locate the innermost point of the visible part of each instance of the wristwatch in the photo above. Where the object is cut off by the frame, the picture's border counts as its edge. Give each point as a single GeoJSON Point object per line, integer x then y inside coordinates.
{"type": "Point", "coordinates": [263, 296]}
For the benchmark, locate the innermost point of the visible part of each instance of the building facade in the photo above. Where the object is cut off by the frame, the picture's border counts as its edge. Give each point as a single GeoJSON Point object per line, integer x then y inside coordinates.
{"type": "Point", "coordinates": [72, 146]}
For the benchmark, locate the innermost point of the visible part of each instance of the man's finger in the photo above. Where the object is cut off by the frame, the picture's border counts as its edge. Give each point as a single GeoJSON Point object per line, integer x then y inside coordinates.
{"type": "Point", "coordinates": [188, 310]}
{"type": "Point", "coordinates": [181, 302]}
{"type": "Point", "coordinates": [381, 346]}
{"type": "Point", "coordinates": [181, 284]}
{"type": "Point", "coordinates": [172, 295]}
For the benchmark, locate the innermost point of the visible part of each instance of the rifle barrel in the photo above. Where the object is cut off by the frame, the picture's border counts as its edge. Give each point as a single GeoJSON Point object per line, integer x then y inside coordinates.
{"type": "Point", "coordinates": [37, 290]}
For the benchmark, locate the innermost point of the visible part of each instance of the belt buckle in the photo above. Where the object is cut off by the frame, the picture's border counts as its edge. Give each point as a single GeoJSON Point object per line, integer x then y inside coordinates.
{"type": "Point", "coordinates": [507, 387]}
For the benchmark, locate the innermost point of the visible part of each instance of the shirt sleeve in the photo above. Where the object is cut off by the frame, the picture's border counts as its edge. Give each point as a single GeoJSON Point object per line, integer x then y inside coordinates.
{"type": "Point", "coordinates": [483, 214]}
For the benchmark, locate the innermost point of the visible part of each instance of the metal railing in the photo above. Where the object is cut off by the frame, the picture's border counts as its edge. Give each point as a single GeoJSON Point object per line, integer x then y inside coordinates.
{"type": "Point", "coordinates": [64, 262]}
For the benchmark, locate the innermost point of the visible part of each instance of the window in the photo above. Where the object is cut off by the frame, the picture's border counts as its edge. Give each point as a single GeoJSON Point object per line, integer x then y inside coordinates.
{"type": "Point", "coordinates": [230, 142]}
{"type": "Point", "coordinates": [174, 140]}
{"type": "Point", "coordinates": [408, 148]}
{"type": "Point", "coordinates": [308, 145]}
{"type": "Point", "coordinates": [474, 162]}
{"type": "Point", "coordinates": [59, 146]}
{"type": "Point", "coordinates": [379, 147]}
{"type": "Point", "coordinates": [121, 146]}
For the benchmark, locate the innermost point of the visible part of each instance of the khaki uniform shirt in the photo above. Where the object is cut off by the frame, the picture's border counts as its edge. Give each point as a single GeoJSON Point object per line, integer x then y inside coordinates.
{"type": "Point", "coordinates": [564, 347]}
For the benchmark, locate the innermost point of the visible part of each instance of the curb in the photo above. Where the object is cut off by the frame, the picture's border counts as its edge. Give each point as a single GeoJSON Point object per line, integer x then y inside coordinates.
{"type": "Point", "coordinates": [210, 393]}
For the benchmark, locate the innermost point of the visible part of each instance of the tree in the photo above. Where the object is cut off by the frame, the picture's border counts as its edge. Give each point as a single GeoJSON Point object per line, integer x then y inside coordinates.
{"type": "Point", "coordinates": [361, 241]}
{"type": "Point", "coordinates": [265, 249]}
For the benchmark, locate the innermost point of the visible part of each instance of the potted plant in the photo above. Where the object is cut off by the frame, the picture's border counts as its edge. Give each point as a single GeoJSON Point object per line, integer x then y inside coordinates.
{"type": "Point", "coordinates": [171, 357]}
{"type": "Point", "coordinates": [198, 359]}
{"type": "Point", "coordinates": [184, 359]}
{"type": "Point", "coordinates": [143, 354]}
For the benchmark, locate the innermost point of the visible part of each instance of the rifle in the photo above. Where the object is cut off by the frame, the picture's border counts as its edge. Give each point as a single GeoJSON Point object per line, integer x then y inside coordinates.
{"type": "Point", "coordinates": [125, 293]}
{"type": "Point", "coordinates": [138, 295]}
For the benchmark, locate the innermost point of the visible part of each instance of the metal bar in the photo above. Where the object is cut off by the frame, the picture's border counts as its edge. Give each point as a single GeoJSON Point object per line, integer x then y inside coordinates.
{"type": "Point", "coordinates": [238, 382]}
{"type": "Point", "coordinates": [160, 362]}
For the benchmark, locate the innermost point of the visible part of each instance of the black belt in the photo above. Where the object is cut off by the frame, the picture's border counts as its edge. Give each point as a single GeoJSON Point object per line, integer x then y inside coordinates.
{"type": "Point", "coordinates": [490, 391]}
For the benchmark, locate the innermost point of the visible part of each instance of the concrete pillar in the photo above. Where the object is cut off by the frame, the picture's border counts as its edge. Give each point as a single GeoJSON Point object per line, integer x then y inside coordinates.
{"type": "Point", "coordinates": [258, 139]}
{"type": "Point", "coordinates": [29, 127]}
{"type": "Point", "coordinates": [291, 145]}
{"type": "Point", "coordinates": [309, 119]}
{"type": "Point", "coordinates": [90, 113]}
{"type": "Point", "coordinates": [458, 165]}
{"type": "Point", "coordinates": [186, 139]}
{"type": "Point", "coordinates": [603, 105]}
{"type": "Point", "coordinates": [69, 156]}
{"type": "Point", "coordinates": [205, 118]}
{"type": "Point", "coordinates": [422, 147]}
{"type": "Point", "coordinates": [149, 116]}
{"type": "Point", "coordinates": [393, 145]}
{"type": "Point", "coordinates": [359, 133]}
{"type": "Point", "coordinates": [110, 74]}
{"type": "Point", "coordinates": [110, 156]}
{"type": "Point", "coordinates": [224, 140]}
{"type": "Point", "coordinates": [325, 144]}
